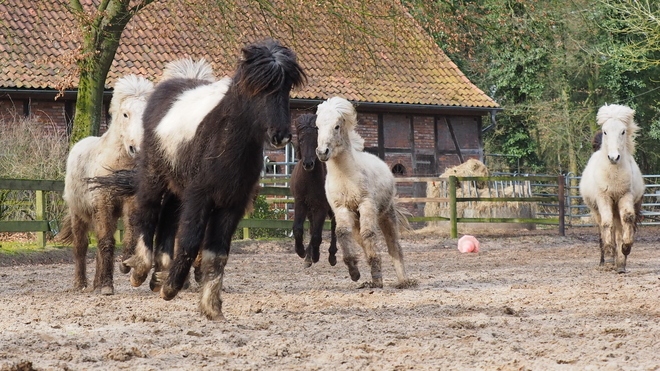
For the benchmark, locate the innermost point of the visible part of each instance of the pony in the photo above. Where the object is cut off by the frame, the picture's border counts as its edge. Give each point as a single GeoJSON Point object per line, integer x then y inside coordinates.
{"type": "Point", "coordinates": [93, 208]}
{"type": "Point", "coordinates": [307, 188]}
{"type": "Point", "coordinates": [203, 143]}
{"type": "Point", "coordinates": [361, 191]}
{"type": "Point", "coordinates": [612, 185]}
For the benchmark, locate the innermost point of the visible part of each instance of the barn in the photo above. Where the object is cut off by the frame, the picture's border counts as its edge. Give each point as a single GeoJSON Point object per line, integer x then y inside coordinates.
{"type": "Point", "coordinates": [416, 109]}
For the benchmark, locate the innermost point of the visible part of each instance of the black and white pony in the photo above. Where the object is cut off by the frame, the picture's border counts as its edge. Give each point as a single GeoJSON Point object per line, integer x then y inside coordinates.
{"type": "Point", "coordinates": [203, 144]}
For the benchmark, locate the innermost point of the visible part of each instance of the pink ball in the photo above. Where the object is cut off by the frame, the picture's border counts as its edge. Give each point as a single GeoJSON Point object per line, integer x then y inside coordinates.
{"type": "Point", "coordinates": [468, 243]}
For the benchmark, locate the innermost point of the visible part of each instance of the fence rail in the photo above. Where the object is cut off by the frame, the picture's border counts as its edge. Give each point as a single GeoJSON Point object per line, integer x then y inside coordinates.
{"type": "Point", "coordinates": [282, 194]}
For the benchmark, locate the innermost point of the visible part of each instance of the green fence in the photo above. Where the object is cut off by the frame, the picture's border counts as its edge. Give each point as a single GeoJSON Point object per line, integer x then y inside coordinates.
{"type": "Point", "coordinates": [544, 197]}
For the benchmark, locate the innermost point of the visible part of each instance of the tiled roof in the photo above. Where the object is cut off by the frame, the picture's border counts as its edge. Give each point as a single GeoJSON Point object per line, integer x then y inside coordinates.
{"type": "Point", "coordinates": [401, 64]}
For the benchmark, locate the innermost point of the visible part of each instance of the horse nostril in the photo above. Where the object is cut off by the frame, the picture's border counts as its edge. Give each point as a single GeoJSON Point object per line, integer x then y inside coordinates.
{"type": "Point", "coordinates": [131, 150]}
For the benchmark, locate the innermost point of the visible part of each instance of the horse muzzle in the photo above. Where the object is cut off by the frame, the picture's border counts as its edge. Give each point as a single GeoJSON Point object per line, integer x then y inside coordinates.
{"type": "Point", "coordinates": [323, 154]}
{"type": "Point", "coordinates": [308, 165]}
{"type": "Point", "coordinates": [614, 159]}
{"type": "Point", "coordinates": [280, 139]}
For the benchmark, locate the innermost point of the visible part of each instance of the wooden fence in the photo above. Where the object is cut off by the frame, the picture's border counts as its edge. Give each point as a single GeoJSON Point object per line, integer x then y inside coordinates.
{"type": "Point", "coordinates": [281, 194]}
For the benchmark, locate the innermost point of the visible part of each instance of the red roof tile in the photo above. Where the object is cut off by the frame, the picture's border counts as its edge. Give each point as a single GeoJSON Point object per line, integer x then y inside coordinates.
{"type": "Point", "coordinates": [401, 64]}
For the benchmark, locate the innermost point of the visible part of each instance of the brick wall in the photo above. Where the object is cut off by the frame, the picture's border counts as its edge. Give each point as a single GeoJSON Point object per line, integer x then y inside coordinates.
{"type": "Point", "coordinates": [50, 114]}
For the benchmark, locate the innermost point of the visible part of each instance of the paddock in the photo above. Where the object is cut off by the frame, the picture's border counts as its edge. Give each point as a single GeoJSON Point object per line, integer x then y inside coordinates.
{"type": "Point", "coordinates": [527, 300]}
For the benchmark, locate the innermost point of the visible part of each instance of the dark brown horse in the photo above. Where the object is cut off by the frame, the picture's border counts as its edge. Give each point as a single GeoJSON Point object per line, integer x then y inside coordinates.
{"type": "Point", "coordinates": [308, 189]}
{"type": "Point", "coordinates": [203, 143]}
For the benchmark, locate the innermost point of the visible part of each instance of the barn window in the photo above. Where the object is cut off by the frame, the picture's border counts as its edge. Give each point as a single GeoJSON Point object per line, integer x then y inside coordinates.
{"type": "Point", "coordinates": [398, 169]}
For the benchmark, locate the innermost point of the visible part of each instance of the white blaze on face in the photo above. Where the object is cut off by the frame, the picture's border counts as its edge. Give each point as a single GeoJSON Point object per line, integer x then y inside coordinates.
{"type": "Point", "coordinates": [181, 121]}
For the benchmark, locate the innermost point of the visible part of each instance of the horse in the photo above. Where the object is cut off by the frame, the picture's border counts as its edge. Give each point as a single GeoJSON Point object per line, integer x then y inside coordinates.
{"type": "Point", "coordinates": [203, 143]}
{"type": "Point", "coordinates": [307, 188]}
{"type": "Point", "coordinates": [361, 192]}
{"type": "Point", "coordinates": [597, 140]}
{"type": "Point", "coordinates": [97, 208]}
{"type": "Point", "coordinates": [612, 185]}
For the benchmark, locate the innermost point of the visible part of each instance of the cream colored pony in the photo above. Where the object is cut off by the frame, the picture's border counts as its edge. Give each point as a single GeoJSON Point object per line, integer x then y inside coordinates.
{"type": "Point", "coordinates": [612, 184]}
{"type": "Point", "coordinates": [361, 191]}
{"type": "Point", "coordinates": [99, 209]}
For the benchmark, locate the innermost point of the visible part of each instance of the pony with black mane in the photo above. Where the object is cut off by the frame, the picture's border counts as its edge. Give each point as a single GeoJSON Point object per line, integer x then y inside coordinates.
{"type": "Point", "coordinates": [307, 188]}
{"type": "Point", "coordinates": [203, 143]}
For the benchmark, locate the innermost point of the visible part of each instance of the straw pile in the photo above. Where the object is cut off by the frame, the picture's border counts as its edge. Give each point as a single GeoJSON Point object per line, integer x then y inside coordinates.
{"type": "Point", "coordinates": [484, 209]}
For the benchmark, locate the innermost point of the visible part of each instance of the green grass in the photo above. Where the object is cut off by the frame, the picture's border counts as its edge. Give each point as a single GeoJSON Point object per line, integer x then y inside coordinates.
{"type": "Point", "coordinates": [15, 248]}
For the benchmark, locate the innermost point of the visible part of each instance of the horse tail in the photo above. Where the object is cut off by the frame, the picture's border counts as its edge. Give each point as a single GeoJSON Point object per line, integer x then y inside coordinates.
{"type": "Point", "coordinates": [65, 236]}
{"type": "Point", "coordinates": [120, 183]}
{"type": "Point", "coordinates": [186, 68]}
{"type": "Point", "coordinates": [401, 216]}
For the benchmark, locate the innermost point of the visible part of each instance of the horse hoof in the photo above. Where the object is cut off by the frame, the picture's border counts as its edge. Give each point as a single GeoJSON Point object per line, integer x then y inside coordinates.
{"type": "Point", "coordinates": [123, 268]}
{"type": "Point", "coordinates": [107, 290]}
{"type": "Point", "coordinates": [354, 273]}
{"type": "Point", "coordinates": [167, 292]}
{"type": "Point", "coordinates": [307, 263]}
{"type": "Point", "coordinates": [300, 252]}
{"type": "Point", "coordinates": [332, 260]}
{"type": "Point", "coordinates": [621, 270]}
{"type": "Point", "coordinates": [214, 316]}
{"type": "Point", "coordinates": [138, 279]}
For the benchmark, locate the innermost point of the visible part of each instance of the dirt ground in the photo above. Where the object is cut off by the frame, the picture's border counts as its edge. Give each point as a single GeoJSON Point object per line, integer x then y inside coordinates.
{"type": "Point", "coordinates": [527, 300]}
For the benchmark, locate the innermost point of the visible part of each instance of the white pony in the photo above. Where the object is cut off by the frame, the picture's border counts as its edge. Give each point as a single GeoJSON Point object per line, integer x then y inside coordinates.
{"type": "Point", "coordinates": [98, 156]}
{"type": "Point", "coordinates": [612, 184]}
{"type": "Point", "coordinates": [361, 192]}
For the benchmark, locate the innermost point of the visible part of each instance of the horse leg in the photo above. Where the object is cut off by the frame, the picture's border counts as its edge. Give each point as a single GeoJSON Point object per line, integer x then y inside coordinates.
{"type": "Point", "coordinates": [299, 216]}
{"type": "Point", "coordinates": [389, 227]}
{"type": "Point", "coordinates": [144, 220]}
{"type": "Point", "coordinates": [197, 206]}
{"type": "Point", "coordinates": [368, 229]}
{"type": "Point", "coordinates": [164, 243]}
{"type": "Point", "coordinates": [345, 222]}
{"type": "Point", "coordinates": [605, 219]}
{"type": "Point", "coordinates": [332, 250]}
{"type": "Point", "coordinates": [215, 253]}
{"type": "Point", "coordinates": [105, 222]}
{"type": "Point", "coordinates": [628, 225]}
{"type": "Point", "coordinates": [129, 239]}
{"type": "Point", "coordinates": [79, 229]}
{"type": "Point", "coordinates": [316, 236]}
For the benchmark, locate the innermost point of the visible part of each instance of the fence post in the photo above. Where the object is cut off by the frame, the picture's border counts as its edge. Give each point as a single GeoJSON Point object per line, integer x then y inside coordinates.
{"type": "Point", "coordinates": [562, 202]}
{"type": "Point", "coordinates": [452, 207]}
{"type": "Point", "coordinates": [40, 214]}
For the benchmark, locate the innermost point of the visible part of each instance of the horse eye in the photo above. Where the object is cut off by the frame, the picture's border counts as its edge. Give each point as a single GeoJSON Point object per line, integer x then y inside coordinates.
{"type": "Point", "coordinates": [604, 133]}
{"type": "Point", "coordinates": [624, 133]}
{"type": "Point", "coordinates": [337, 127]}
{"type": "Point", "coordinates": [125, 114]}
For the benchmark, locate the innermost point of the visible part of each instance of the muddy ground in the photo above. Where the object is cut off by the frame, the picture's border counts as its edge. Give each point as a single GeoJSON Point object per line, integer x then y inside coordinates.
{"type": "Point", "coordinates": [528, 300]}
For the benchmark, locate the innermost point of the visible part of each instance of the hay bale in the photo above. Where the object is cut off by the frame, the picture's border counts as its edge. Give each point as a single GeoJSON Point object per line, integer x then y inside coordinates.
{"type": "Point", "coordinates": [473, 167]}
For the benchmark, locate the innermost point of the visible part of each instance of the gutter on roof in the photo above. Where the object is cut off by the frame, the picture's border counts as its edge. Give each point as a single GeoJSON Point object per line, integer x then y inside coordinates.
{"type": "Point", "coordinates": [19, 93]}
{"type": "Point", "coordinates": [403, 107]}
{"type": "Point", "coordinates": [493, 122]}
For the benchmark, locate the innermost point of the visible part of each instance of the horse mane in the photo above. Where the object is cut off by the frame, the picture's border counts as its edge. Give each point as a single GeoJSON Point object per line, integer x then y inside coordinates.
{"type": "Point", "coordinates": [624, 114]}
{"type": "Point", "coordinates": [267, 67]}
{"type": "Point", "coordinates": [186, 68]}
{"type": "Point", "coordinates": [129, 86]}
{"type": "Point", "coordinates": [349, 115]}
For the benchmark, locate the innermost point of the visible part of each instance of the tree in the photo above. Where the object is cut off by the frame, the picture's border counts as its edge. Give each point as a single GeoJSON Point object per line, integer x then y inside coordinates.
{"type": "Point", "coordinates": [100, 30]}
{"type": "Point", "coordinates": [551, 64]}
